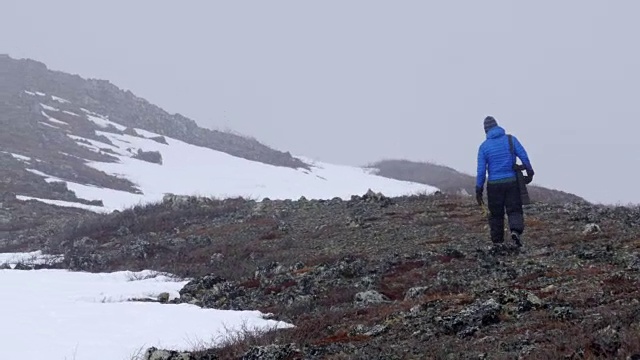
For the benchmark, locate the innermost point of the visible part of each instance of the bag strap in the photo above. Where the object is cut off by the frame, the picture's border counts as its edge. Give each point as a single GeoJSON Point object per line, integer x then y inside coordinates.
{"type": "Point", "coordinates": [513, 152]}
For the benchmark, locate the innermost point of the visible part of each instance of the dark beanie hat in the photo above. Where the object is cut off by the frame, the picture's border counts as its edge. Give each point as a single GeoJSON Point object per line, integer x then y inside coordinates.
{"type": "Point", "coordinates": [489, 122]}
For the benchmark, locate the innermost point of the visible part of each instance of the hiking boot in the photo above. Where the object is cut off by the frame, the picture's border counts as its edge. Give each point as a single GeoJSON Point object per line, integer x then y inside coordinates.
{"type": "Point", "coordinates": [516, 238]}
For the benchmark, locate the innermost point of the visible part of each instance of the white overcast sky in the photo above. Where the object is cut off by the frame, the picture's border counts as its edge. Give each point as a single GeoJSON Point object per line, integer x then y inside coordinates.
{"type": "Point", "coordinates": [355, 81]}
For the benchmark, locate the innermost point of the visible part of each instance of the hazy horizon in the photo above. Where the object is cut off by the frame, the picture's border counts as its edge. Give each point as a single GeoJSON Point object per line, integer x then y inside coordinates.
{"type": "Point", "coordinates": [361, 81]}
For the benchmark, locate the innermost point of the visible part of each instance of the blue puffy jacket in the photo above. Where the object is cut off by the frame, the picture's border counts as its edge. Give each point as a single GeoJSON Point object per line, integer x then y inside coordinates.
{"type": "Point", "coordinates": [494, 155]}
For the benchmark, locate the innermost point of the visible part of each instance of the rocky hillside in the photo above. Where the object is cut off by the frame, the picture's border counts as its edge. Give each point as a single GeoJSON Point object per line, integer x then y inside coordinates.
{"type": "Point", "coordinates": [123, 107]}
{"type": "Point", "coordinates": [452, 181]}
{"type": "Point", "coordinates": [83, 143]}
{"type": "Point", "coordinates": [54, 125]}
{"type": "Point", "coordinates": [384, 278]}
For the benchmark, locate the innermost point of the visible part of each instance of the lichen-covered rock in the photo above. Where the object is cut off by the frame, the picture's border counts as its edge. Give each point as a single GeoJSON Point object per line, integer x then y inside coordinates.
{"type": "Point", "coordinates": [158, 354]}
{"type": "Point", "coordinates": [563, 312]}
{"type": "Point", "coordinates": [520, 300]}
{"type": "Point", "coordinates": [138, 248]}
{"type": "Point", "coordinates": [164, 297]}
{"type": "Point", "coordinates": [273, 352]}
{"type": "Point", "coordinates": [415, 292]}
{"type": "Point", "coordinates": [471, 319]}
{"type": "Point", "coordinates": [370, 297]}
{"type": "Point", "coordinates": [591, 229]}
{"type": "Point", "coordinates": [198, 287]}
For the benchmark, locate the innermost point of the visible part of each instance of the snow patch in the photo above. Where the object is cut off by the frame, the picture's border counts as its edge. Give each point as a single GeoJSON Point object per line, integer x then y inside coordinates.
{"type": "Point", "coordinates": [49, 108]}
{"type": "Point", "coordinates": [146, 133]}
{"type": "Point", "coordinates": [112, 199]}
{"type": "Point", "coordinates": [86, 316]}
{"type": "Point", "coordinates": [71, 113]}
{"type": "Point", "coordinates": [49, 125]}
{"type": "Point", "coordinates": [18, 156]}
{"type": "Point", "coordinates": [40, 93]}
{"type": "Point", "coordinates": [71, 155]}
{"type": "Point", "coordinates": [30, 93]}
{"type": "Point", "coordinates": [104, 122]}
{"type": "Point", "coordinates": [55, 121]}
{"type": "Point", "coordinates": [60, 100]}
{"type": "Point", "coordinates": [47, 178]}
{"type": "Point", "coordinates": [101, 120]}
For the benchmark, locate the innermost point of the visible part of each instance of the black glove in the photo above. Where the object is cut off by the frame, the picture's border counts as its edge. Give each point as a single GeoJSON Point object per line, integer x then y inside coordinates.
{"type": "Point", "coordinates": [479, 196]}
{"type": "Point", "coordinates": [529, 178]}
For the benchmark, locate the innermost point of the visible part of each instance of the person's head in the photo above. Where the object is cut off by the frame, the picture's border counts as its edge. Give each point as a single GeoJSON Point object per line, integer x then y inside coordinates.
{"type": "Point", "coordinates": [489, 122]}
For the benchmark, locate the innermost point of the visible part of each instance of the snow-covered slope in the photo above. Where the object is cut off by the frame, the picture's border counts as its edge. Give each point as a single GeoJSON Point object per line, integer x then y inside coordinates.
{"type": "Point", "coordinates": [192, 170]}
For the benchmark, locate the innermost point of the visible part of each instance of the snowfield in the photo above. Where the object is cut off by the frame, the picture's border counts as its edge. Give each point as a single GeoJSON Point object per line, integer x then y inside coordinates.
{"type": "Point", "coordinates": [193, 170]}
{"type": "Point", "coordinates": [58, 314]}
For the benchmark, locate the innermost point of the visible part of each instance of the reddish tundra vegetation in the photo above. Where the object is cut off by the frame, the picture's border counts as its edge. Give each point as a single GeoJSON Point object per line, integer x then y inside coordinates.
{"type": "Point", "coordinates": [384, 278]}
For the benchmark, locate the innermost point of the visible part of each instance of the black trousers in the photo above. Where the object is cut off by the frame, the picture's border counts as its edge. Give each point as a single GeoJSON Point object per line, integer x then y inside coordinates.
{"type": "Point", "coordinates": [501, 197]}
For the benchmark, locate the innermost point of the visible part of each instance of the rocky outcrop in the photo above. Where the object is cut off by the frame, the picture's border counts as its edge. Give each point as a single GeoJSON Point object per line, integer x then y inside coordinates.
{"type": "Point", "coordinates": [149, 156]}
{"type": "Point", "coordinates": [158, 354]}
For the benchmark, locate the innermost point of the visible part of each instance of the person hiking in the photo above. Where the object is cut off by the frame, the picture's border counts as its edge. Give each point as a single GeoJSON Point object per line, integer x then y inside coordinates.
{"type": "Point", "coordinates": [503, 191]}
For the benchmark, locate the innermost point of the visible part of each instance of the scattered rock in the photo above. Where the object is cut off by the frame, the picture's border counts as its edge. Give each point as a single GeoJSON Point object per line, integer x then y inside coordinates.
{"type": "Point", "coordinates": [606, 342]}
{"type": "Point", "coordinates": [416, 292]}
{"type": "Point", "coordinates": [216, 258]}
{"type": "Point", "coordinates": [154, 157]}
{"type": "Point", "coordinates": [591, 229]}
{"type": "Point", "coordinates": [633, 261]}
{"type": "Point", "coordinates": [197, 286]}
{"type": "Point", "coordinates": [159, 139]}
{"type": "Point", "coordinates": [454, 253]}
{"type": "Point", "coordinates": [157, 354]}
{"type": "Point", "coordinates": [372, 197]}
{"type": "Point", "coordinates": [164, 297]}
{"type": "Point", "coordinates": [138, 248]}
{"type": "Point", "coordinates": [272, 352]}
{"type": "Point", "coordinates": [520, 300]}
{"type": "Point", "coordinates": [471, 319]}
{"type": "Point", "coordinates": [21, 266]}
{"type": "Point", "coordinates": [370, 297]}
{"type": "Point", "coordinates": [130, 131]}
{"type": "Point", "coordinates": [563, 313]}
{"type": "Point", "coordinates": [376, 330]}
{"type": "Point", "coordinates": [85, 244]}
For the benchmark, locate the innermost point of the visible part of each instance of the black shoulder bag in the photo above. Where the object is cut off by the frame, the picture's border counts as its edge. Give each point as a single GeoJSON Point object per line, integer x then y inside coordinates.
{"type": "Point", "coordinates": [522, 185]}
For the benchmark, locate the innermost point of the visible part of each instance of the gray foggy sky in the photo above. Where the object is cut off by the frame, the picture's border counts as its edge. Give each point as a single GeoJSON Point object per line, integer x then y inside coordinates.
{"type": "Point", "coordinates": [356, 81]}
